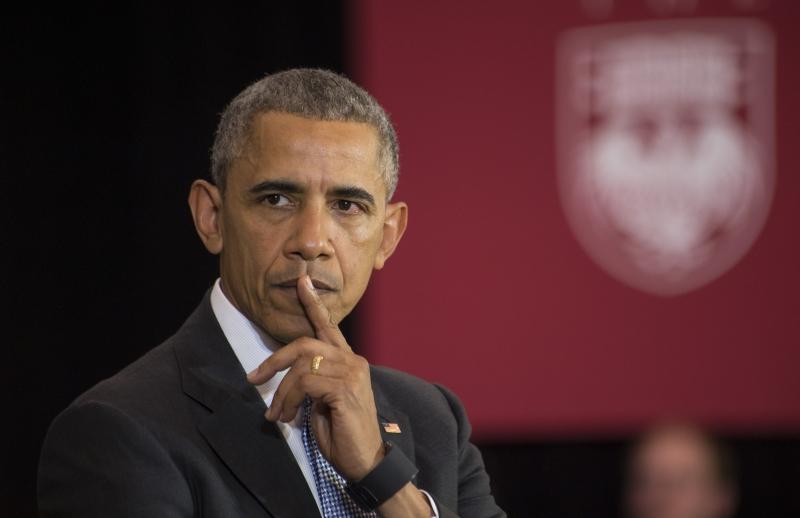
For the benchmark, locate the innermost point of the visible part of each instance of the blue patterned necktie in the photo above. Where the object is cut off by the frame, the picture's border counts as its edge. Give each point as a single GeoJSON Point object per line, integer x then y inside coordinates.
{"type": "Point", "coordinates": [335, 502]}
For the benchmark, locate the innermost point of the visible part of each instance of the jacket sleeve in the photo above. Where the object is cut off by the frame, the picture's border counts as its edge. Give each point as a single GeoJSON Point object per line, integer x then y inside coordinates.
{"type": "Point", "coordinates": [475, 498]}
{"type": "Point", "coordinates": [98, 462]}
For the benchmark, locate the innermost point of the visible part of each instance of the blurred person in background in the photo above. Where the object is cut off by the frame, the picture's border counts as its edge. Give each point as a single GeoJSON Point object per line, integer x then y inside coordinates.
{"type": "Point", "coordinates": [679, 471]}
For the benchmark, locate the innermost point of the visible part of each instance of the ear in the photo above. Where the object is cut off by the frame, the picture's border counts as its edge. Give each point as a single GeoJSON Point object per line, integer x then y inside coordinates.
{"type": "Point", "coordinates": [205, 200]}
{"type": "Point", "coordinates": [394, 225]}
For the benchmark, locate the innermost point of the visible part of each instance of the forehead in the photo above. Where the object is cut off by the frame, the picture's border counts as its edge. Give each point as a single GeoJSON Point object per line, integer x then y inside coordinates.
{"type": "Point", "coordinates": [313, 150]}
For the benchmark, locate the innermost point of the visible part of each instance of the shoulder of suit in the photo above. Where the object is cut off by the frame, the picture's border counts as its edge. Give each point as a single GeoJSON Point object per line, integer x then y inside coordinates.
{"type": "Point", "coordinates": [402, 387]}
{"type": "Point", "coordinates": [152, 377]}
{"type": "Point", "coordinates": [391, 376]}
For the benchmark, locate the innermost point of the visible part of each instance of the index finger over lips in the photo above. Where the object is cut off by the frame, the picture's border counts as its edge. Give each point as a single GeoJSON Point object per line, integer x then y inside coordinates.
{"type": "Point", "coordinates": [318, 314]}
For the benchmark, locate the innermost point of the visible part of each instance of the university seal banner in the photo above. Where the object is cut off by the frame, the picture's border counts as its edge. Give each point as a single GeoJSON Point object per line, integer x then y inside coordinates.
{"type": "Point", "coordinates": [603, 210]}
{"type": "Point", "coordinates": [665, 146]}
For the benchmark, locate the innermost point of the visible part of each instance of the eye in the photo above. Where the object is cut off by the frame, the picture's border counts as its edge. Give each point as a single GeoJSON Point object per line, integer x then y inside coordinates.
{"type": "Point", "coordinates": [347, 206]}
{"type": "Point", "coordinates": [276, 200]}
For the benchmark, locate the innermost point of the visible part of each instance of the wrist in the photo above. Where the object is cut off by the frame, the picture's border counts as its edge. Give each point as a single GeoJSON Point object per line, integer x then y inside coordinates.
{"type": "Point", "coordinates": [409, 502]}
{"type": "Point", "coordinates": [391, 474]}
{"type": "Point", "coordinates": [380, 454]}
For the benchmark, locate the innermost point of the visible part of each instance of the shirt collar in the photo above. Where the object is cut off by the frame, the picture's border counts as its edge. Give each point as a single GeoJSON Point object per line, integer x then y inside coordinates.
{"type": "Point", "coordinates": [250, 343]}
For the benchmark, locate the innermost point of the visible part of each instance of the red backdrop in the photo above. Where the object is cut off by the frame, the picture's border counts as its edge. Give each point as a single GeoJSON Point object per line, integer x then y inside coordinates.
{"type": "Point", "coordinates": [491, 294]}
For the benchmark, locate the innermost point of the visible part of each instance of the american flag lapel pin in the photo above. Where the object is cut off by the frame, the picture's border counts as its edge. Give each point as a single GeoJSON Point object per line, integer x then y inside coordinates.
{"type": "Point", "coordinates": [391, 428]}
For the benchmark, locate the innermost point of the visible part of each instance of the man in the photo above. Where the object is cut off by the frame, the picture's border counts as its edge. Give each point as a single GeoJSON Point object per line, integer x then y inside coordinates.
{"type": "Point", "coordinates": [257, 406]}
{"type": "Point", "coordinates": [678, 471]}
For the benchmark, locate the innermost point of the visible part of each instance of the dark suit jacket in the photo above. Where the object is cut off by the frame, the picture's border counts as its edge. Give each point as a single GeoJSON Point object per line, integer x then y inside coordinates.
{"type": "Point", "coordinates": [180, 433]}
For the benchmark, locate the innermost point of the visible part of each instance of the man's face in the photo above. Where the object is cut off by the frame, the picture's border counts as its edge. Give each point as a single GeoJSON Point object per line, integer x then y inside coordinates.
{"type": "Point", "coordinates": [673, 476]}
{"type": "Point", "coordinates": [307, 197]}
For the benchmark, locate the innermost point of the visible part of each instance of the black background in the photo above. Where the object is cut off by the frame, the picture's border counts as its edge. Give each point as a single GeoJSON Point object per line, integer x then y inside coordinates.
{"type": "Point", "coordinates": [106, 120]}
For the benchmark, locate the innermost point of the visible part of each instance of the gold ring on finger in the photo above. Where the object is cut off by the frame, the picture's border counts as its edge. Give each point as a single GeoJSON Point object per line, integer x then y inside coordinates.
{"type": "Point", "coordinates": [315, 363]}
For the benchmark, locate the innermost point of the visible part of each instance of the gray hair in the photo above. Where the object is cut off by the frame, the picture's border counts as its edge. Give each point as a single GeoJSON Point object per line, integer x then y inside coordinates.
{"type": "Point", "coordinates": [310, 93]}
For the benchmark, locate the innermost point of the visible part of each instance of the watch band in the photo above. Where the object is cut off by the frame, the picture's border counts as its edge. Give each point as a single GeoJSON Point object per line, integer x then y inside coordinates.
{"type": "Point", "coordinates": [393, 472]}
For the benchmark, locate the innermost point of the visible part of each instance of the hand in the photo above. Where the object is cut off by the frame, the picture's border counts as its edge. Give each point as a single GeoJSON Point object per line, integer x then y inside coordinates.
{"type": "Point", "coordinates": [344, 417]}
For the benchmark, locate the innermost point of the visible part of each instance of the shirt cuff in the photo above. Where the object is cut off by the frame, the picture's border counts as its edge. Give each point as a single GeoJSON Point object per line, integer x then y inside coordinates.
{"type": "Point", "coordinates": [432, 503]}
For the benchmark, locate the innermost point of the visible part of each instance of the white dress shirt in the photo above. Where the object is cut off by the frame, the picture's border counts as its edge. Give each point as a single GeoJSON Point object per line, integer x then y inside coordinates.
{"type": "Point", "coordinates": [252, 346]}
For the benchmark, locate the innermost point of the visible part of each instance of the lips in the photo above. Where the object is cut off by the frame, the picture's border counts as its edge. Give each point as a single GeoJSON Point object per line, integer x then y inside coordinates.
{"type": "Point", "coordinates": [292, 283]}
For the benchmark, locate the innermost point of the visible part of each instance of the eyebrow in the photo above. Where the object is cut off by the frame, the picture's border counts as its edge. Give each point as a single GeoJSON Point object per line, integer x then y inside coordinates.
{"type": "Point", "coordinates": [276, 185]}
{"type": "Point", "coordinates": [353, 193]}
{"type": "Point", "coordinates": [345, 191]}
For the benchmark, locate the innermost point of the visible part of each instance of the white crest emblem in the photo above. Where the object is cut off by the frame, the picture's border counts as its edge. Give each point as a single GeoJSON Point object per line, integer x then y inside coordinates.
{"type": "Point", "coordinates": [665, 135]}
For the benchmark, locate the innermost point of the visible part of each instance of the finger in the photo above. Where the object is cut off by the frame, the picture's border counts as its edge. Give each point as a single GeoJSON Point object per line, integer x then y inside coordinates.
{"type": "Point", "coordinates": [292, 399]}
{"type": "Point", "coordinates": [319, 316]}
{"type": "Point", "coordinates": [318, 388]}
{"type": "Point", "coordinates": [287, 385]}
{"type": "Point", "coordinates": [281, 359]}
{"type": "Point", "coordinates": [289, 394]}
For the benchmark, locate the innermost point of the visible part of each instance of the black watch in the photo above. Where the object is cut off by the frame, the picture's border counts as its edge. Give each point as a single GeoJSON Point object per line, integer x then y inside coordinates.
{"type": "Point", "coordinates": [387, 478]}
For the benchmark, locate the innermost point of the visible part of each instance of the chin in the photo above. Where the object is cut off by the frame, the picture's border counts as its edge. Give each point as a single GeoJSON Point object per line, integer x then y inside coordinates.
{"type": "Point", "coordinates": [286, 328]}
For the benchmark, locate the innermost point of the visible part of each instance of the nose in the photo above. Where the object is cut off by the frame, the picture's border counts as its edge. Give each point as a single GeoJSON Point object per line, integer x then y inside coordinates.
{"type": "Point", "coordinates": [310, 240]}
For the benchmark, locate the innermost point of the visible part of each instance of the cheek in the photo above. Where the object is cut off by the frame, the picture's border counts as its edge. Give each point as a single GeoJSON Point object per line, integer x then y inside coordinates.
{"type": "Point", "coordinates": [263, 250]}
{"type": "Point", "coordinates": [360, 235]}
{"type": "Point", "coordinates": [357, 253]}
{"type": "Point", "coordinates": [249, 254]}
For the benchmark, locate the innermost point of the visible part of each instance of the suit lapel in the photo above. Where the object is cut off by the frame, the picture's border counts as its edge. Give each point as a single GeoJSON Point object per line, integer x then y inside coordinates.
{"type": "Point", "coordinates": [256, 452]}
{"type": "Point", "coordinates": [234, 426]}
